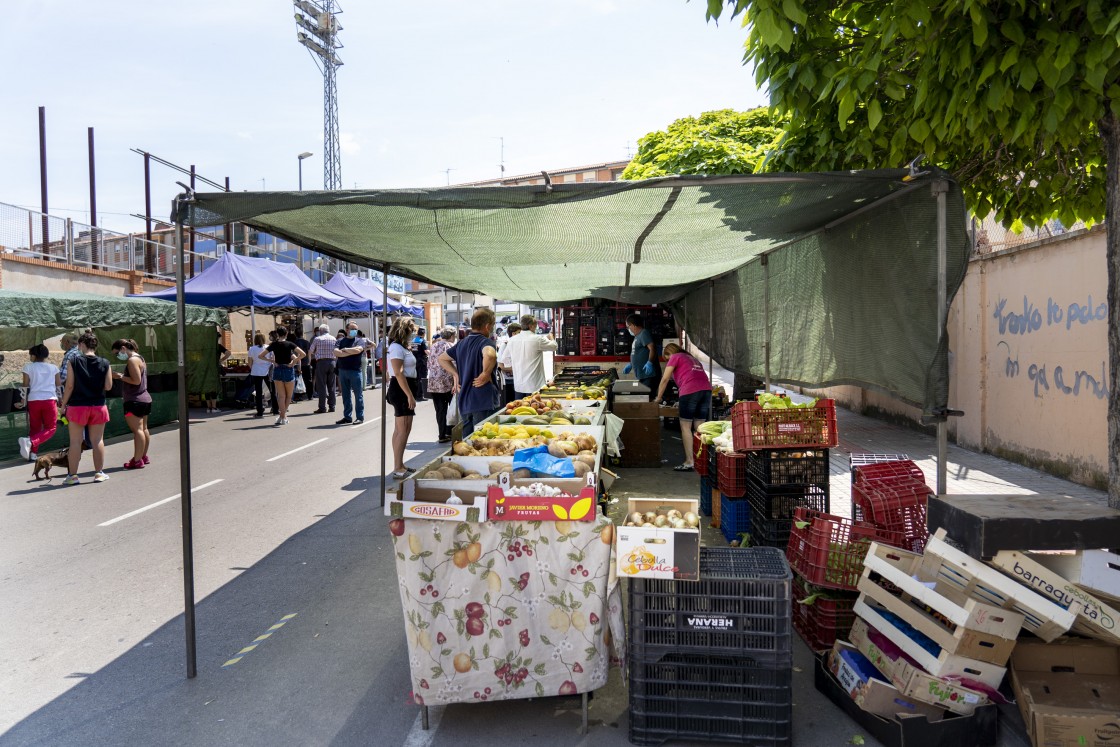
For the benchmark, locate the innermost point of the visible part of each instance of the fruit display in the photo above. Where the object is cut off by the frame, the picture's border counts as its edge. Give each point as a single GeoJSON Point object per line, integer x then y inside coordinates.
{"type": "Point", "coordinates": [583, 391]}
{"type": "Point", "coordinates": [454, 471]}
{"type": "Point", "coordinates": [560, 445]}
{"type": "Point", "coordinates": [671, 519]}
{"type": "Point", "coordinates": [524, 429]}
{"type": "Point", "coordinates": [534, 405]}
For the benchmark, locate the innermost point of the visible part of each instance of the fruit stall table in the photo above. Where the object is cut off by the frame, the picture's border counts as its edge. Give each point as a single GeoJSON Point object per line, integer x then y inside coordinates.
{"type": "Point", "coordinates": [501, 610]}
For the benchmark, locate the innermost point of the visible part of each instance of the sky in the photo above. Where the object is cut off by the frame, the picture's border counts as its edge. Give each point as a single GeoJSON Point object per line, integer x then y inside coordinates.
{"type": "Point", "coordinates": [425, 87]}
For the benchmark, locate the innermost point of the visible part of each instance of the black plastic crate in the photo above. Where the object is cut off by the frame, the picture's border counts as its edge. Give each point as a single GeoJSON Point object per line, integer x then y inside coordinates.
{"type": "Point", "coordinates": [705, 496]}
{"type": "Point", "coordinates": [788, 466]}
{"type": "Point", "coordinates": [740, 606]}
{"type": "Point", "coordinates": [777, 502]}
{"type": "Point", "coordinates": [711, 698]}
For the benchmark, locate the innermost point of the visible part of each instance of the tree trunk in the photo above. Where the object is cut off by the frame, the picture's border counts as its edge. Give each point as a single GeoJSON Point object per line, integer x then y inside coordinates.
{"type": "Point", "coordinates": [1110, 132]}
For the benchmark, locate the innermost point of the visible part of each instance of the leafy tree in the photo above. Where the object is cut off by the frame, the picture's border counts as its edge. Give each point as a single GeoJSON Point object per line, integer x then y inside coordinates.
{"type": "Point", "coordinates": [1019, 99]}
{"type": "Point", "coordinates": [717, 142]}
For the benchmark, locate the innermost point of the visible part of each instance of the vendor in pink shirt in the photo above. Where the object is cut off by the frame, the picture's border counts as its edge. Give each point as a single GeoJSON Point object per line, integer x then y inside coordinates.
{"type": "Point", "coordinates": [695, 395]}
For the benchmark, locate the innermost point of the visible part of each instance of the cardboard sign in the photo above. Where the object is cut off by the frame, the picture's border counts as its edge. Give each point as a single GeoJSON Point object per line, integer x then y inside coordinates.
{"type": "Point", "coordinates": [505, 507]}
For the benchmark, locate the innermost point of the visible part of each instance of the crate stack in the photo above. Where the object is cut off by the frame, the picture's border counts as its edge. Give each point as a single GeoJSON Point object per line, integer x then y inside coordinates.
{"type": "Point", "coordinates": [826, 556]}
{"type": "Point", "coordinates": [784, 466]}
{"type": "Point", "coordinates": [892, 495]}
{"type": "Point", "coordinates": [702, 461]}
{"type": "Point", "coordinates": [712, 659]}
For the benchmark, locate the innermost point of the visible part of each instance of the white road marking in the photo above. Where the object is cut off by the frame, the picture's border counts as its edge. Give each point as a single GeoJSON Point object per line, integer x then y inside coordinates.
{"type": "Point", "coordinates": [293, 451]}
{"type": "Point", "coordinates": [130, 514]}
{"type": "Point", "coordinates": [417, 737]}
{"type": "Point", "coordinates": [365, 422]}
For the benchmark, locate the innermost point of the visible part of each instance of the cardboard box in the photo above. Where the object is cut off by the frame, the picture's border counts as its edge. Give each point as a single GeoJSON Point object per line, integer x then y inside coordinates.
{"type": "Point", "coordinates": [669, 412]}
{"type": "Point", "coordinates": [958, 624]}
{"type": "Point", "coordinates": [910, 680]}
{"type": "Point", "coordinates": [1068, 692]}
{"type": "Point", "coordinates": [978, 730]}
{"type": "Point", "coordinates": [1094, 618]}
{"type": "Point", "coordinates": [950, 566]}
{"type": "Point", "coordinates": [501, 506]}
{"type": "Point", "coordinates": [942, 664]}
{"type": "Point", "coordinates": [404, 509]}
{"type": "Point", "coordinates": [869, 690]}
{"type": "Point", "coordinates": [635, 410]}
{"type": "Point", "coordinates": [641, 443]}
{"type": "Point", "coordinates": [659, 552]}
{"type": "Point", "coordinates": [1096, 571]}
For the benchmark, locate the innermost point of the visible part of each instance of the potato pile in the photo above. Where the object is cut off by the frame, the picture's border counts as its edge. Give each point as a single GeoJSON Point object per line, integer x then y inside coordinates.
{"type": "Point", "coordinates": [672, 519]}
{"type": "Point", "coordinates": [564, 444]}
{"type": "Point", "coordinates": [453, 471]}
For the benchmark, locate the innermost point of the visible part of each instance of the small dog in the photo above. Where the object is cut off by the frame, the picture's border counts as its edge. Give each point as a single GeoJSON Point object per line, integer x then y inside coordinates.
{"type": "Point", "coordinates": [57, 459]}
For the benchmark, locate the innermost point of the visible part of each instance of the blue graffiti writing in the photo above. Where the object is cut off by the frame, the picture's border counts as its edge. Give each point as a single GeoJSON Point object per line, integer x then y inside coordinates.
{"type": "Point", "coordinates": [1038, 376]}
{"type": "Point", "coordinates": [1053, 312]}
{"type": "Point", "coordinates": [1085, 314]}
{"type": "Point", "coordinates": [1018, 324]}
{"type": "Point", "coordinates": [1011, 367]}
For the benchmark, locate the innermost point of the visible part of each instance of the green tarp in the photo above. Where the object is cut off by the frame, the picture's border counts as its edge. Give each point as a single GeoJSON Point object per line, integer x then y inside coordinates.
{"type": "Point", "coordinates": [852, 258]}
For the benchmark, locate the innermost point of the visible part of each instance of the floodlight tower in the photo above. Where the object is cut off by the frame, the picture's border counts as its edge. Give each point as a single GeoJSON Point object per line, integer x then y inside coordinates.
{"type": "Point", "coordinates": [319, 19]}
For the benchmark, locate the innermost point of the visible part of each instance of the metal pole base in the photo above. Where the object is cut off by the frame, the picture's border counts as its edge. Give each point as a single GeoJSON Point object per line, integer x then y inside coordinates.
{"type": "Point", "coordinates": [583, 729]}
{"type": "Point", "coordinates": [424, 717]}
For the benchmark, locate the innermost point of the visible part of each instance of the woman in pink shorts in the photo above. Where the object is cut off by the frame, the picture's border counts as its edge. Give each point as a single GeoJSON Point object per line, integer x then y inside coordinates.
{"type": "Point", "coordinates": [83, 403]}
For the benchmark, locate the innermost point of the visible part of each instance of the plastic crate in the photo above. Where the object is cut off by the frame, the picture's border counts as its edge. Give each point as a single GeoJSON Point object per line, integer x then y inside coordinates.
{"type": "Point", "coordinates": [753, 427]}
{"type": "Point", "coordinates": [897, 504]}
{"type": "Point", "coordinates": [734, 517]}
{"type": "Point", "coordinates": [717, 504]}
{"type": "Point", "coordinates": [701, 460]}
{"type": "Point", "coordinates": [740, 606]}
{"type": "Point", "coordinates": [705, 496]}
{"type": "Point", "coordinates": [788, 466]}
{"type": "Point", "coordinates": [865, 473]}
{"type": "Point", "coordinates": [858, 460]}
{"type": "Point", "coordinates": [732, 469]}
{"type": "Point", "coordinates": [772, 509]}
{"type": "Point", "coordinates": [711, 698]}
{"type": "Point", "coordinates": [828, 551]}
{"type": "Point", "coordinates": [829, 615]}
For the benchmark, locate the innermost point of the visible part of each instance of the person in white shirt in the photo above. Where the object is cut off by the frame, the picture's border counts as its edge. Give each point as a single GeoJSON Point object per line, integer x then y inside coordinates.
{"type": "Point", "coordinates": [526, 355]}
{"type": "Point", "coordinates": [42, 381]}
{"type": "Point", "coordinates": [505, 365]}
{"type": "Point", "coordinates": [259, 372]}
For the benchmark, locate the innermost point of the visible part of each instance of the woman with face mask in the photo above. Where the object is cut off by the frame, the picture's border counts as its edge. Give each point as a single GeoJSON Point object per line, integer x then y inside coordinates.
{"type": "Point", "coordinates": [136, 399]}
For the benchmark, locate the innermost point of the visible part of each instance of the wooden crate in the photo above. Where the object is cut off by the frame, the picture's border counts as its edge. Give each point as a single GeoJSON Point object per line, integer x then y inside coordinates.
{"type": "Point", "coordinates": [1094, 618]}
{"type": "Point", "coordinates": [943, 664]}
{"type": "Point", "coordinates": [950, 566]}
{"type": "Point", "coordinates": [983, 525]}
{"type": "Point", "coordinates": [958, 624]}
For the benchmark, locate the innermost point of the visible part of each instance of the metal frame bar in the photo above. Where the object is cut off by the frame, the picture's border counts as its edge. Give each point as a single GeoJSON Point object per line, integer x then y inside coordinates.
{"type": "Point", "coordinates": [185, 465]}
{"type": "Point", "coordinates": [384, 368]}
{"type": "Point", "coordinates": [940, 190]}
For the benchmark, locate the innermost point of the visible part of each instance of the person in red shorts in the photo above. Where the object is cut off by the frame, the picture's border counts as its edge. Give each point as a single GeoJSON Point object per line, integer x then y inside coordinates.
{"type": "Point", "coordinates": [695, 395]}
{"type": "Point", "coordinates": [88, 377]}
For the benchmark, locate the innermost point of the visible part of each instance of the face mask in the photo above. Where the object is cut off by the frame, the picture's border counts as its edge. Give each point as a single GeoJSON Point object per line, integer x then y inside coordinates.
{"type": "Point", "coordinates": [353, 333]}
{"type": "Point", "coordinates": [122, 356]}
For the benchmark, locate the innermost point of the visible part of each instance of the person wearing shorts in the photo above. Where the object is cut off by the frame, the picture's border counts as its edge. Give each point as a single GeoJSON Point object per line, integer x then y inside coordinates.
{"type": "Point", "coordinates": [88, 377]}
{"type": "Point", "coordinates": [404, 390]}
{"type": "Point", "coordinates": [286, 357]}
{"type": "Point", "coordinates": [695, 395]}
{"type": "Point", "coordinates": [136, 400]}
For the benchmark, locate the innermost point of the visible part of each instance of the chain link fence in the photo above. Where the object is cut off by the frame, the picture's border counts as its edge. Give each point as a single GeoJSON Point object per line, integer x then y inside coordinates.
{"type": "Point", "coordinates": [991, 236]}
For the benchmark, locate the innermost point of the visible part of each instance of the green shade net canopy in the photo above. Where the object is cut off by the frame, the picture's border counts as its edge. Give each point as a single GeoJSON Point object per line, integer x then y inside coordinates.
{"type": "Point", "coordinates": [851, 258]}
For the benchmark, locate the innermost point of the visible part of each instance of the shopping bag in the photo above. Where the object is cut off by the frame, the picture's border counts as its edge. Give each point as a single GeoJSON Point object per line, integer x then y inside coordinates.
{"type": "Point", "coordinates": [453, 411]}
{"type": "Point", "coordinates": [537, 460]}
{"type": "Point", "coordinates": [301, 387]}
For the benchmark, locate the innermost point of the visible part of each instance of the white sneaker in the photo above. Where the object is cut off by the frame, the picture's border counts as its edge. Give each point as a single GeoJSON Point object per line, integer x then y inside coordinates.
{"type": "Point", "coordinates": [279, 420]}
{"type": "Point", "coordinates": [25, 447]}
{"type": "Point", "coordinates": [285, 422]}
{"type": "Point", "coordinates": [100, 477]}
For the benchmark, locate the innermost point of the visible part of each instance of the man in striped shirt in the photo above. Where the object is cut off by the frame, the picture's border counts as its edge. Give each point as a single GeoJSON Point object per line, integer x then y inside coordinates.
{"type": "Point", "coordinates": [322, 358]}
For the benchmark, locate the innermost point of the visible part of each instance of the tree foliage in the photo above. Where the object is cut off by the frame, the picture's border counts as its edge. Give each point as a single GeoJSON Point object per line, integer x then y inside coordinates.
{"type": "Point", "coordinates": [1008, 95]}
{"type": "Point", "coordinates": [717, 142]}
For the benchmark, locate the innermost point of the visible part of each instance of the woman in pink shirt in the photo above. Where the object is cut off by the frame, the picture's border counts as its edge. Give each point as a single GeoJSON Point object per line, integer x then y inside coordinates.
{"type": "Point", "coordinates": [695, 395]}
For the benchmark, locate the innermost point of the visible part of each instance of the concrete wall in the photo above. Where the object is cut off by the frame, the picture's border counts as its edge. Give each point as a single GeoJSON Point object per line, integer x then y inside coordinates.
{"type": "Point", "coordinates": [39, 276]}
{"type": "Point", "coordinates": [1028, 358]}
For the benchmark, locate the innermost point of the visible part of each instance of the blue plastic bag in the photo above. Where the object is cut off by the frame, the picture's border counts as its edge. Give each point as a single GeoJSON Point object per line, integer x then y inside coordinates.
{"type": "Point", "coordinates": [537, 460]}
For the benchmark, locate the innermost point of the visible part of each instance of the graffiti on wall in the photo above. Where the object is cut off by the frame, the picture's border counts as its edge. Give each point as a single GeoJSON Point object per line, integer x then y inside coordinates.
{"type": "Point", "coordinates": [1046, 376]}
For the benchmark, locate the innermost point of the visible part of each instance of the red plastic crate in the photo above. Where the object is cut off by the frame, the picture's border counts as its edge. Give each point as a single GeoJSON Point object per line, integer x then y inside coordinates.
{"type": "Point", "coordinates": [700, 455]}
{"type": "Point", "coordinates": [884, 470]}
{"type": "Point", "coordinates": [828, 551]}
{"type": "Point", "coordinates": [732, 474]}
{"type": "Point", "coordinates": [897, 504]}
{"type": "Point", "coordinates": [753, 427]}
{"type": "Point", "coordinates": [824, 620]}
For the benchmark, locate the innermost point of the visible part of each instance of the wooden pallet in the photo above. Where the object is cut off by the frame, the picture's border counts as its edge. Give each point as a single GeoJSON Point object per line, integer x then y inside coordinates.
{"type": "Point", "coordinates": [949, 566]}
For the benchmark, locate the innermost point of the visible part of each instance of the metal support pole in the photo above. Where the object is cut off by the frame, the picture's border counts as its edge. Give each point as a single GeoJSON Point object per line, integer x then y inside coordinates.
{"type": "Point", "coordinates": [185, 463]}
{"type": "Point", "coordinates": [192, 230]}
{"type": "Point", "coordinates": [253, 326]}
{"type": "Point", "coordinates": [941, 189]}
{"type": "Point", "coordinates": [711, 340]}
{"type": "Point", "coordinates": [384, 367]}
{"type": "Point", "coordinates": [67, 242]}
{"type": "Point", "coordinates": [95, 247]}
{"type": "Point", "coordinates": [43, 175]}
{"type": "Point", "coordinates": [228, 227]}
{"type": "Point", "coordinates": [765, 259]}
{"type": "Point", "coordinates": [150, 261]}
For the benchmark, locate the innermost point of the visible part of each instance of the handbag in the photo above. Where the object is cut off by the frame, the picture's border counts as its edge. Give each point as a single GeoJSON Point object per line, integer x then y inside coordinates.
{"type": "Point", "coordinates": [453, 411]}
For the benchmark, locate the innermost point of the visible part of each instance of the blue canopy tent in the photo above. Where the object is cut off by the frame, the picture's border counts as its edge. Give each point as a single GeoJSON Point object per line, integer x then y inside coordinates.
{"type": "Point", "coordinates": [417, 311]}
{"type": "Point", "coordinates": [361, 291]}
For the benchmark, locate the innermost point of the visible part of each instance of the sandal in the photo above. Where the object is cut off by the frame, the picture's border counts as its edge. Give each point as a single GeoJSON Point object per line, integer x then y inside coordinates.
{"type": "Point", "coordinates": [683, 468]}
{"type": "Point", "coordinates": [400, 475]}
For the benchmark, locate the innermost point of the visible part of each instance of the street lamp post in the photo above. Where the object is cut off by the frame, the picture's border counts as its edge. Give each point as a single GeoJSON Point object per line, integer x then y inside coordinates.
{"type": "Point", "coordinates": [299, 158]}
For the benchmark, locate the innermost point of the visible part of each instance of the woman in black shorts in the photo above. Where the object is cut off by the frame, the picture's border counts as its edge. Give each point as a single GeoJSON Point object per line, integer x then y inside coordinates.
{"type": "Point", "coordinates": [286, 357]}
{"type": "Point", "coordinates": [137, 401]}
{"type": "Point", "coordinates": [404, 389]}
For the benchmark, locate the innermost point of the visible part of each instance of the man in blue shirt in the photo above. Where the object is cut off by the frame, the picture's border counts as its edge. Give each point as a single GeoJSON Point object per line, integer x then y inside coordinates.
{"type": "Point", "coordinates": [348, 352]}
{"type": "Point", "coordinates": [643, 354]}
{"type": "Point", "coordinates": [473, 367]}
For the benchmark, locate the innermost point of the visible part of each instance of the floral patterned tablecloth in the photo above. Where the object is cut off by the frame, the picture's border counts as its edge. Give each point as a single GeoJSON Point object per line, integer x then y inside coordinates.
{"type": "Point", "coordinates": [505, 610]}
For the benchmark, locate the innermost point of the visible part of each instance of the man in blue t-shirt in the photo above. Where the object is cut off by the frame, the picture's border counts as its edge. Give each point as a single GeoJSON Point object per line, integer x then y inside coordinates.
{"type": "Point", "coordinates": [473, 367]}
{"type": "Point", "coordinates": [643, 354]}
